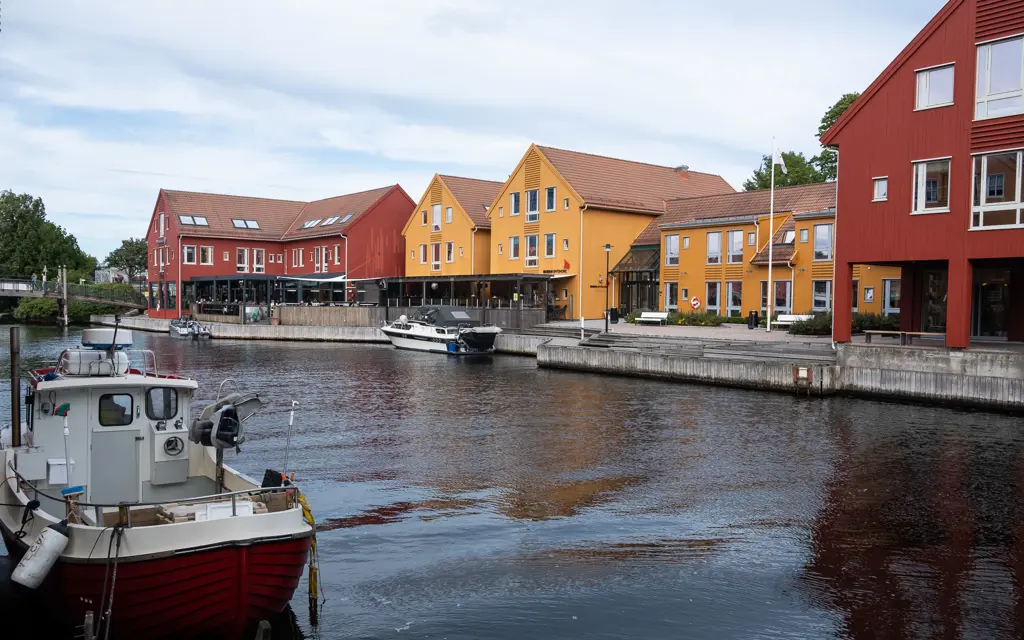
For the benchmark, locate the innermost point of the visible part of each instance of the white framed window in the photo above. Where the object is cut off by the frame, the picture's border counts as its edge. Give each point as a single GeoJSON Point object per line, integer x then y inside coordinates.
{"type": "Point", "coordinates": [997, 190]}
{"type": "Point", "coordinates": [501, 212]}
{"type": "Point", "coordinates": [513, 203]}
{"type": "Point", "coordinates": [206, 255]}
{"type": "Point", "coordinates": [935, 87]}
{"type": "Point", "coordinates": [163, 223]}
{"type": "Point", "coordinates": [533, 205]}
{"type": "Point", "coordinates": [712, 303]}
{"type": "Point", "coordinates": [686, 242]}
{"type": "Point", "coordinates": [423, 254]}
{"type": "Point", "coordinates": [891, 296]}
{"type": "Point", "coordinates": [823, 241]}
{"type": "Point", "coordinates": [565, 204]}
{"type": "Point", "coordinates": [435, 218]}
{"type": "Point", "coordinates": [550, 199]}
{"type": "Point", "coordinates": [821, 295]}
{"type": "Point", "coordinates": [714, 247]}
{"type": "Point", "coordinates": [671, 296]}
{"type": "Point", "coordinates": [318, 259]}
{"type": "Point", "coordinates": [280, 258]}
{"type": "Point", "coordinates": [295, 257]}
{"type": "Point", "coordinates": [532, 249]}
{"type": "Point", "coordinates": [435, 256]}
{"type": "Point", "coordinates": [241, 260]}
{"type": "Point", "coordinates": [734, 241]}
{"type": "Point", "coordinates": [931, 186]}
{"type": "Point", "coordinates": [672, 250]}
{"type": "Point", "coordinates": [188, 255]}
{"type": "Point", "coordinates": [423, 218]}
{"type": "Point", "coordinates": [751, 238]}
{"type": "Point", "coordinates": [461, 252]}
{"type": "Point", "coordinates": [449, 252]}
{"type": "Point", "coordinates": [565, 244]}
{"type": "Point", "coordinates": [856, 292]}
{"type": "Point", "coordinates": [447, 215]}
{"type": "Point", "coordinates": [1000, 80]}
{"type": "Point", "coordinates": [550, 241]}
{"type": "Point", "coordinates": [804, 236]}
{"type": "Point", "coordinates": [412, 254]}
{"type": "Point", "coordinates": [513, 248]}
{"type": "Point", "coordinates": [271, 259]}
{"type": "Point", "coordinates": [337, 254]}
{"type": "Point", "coordinates": [734, 298]}
{"type": "Point", "coordinates": [227, 256]}
{"type": "Point", "coordinates": [259, 260]}
{"type": "Point", "coordinates": [783, 296]}
{"type": "Point", "coordinates": [881, 189]}
{"type": "Point", "coordinates": [500, 247]}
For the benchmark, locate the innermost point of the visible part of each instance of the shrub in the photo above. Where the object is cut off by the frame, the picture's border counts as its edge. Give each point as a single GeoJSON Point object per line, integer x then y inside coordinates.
{"type": "Point", "coordinates": [45, 309]}
{"type": "Point", "coordinates": [874, 322]}
{"type": "Point", "coordinates": [736, 320]}
{"type": "Point", "coordinates": [700, 319]}
{"type": "Point", "coordinates": [820, 324]}
{"type": "Point", "coordinates": [630, 317]}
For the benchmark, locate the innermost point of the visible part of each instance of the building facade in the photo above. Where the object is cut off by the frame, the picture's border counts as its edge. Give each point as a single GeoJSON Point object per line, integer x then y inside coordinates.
{"type": "Point", "coordinates": [715, 255]}
{"type": "Point", "coordinates": [930, 163]}
{"type": "Point", "coordinates": [231, 249]}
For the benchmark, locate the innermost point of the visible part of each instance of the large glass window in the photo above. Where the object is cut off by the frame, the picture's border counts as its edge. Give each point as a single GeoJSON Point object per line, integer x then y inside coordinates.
{"type": "Point", "coordinates": [715, 247]}
{"type": "Point", "coordinates": [161, 403]}
{"type": "Point", "coordinates": [532, 242]}
{"type": "Point", "coordinates": [435, 214]}
{"type": "Point", "coordinates": [713, 303]}
{"type": "Point", "coordinates": [931, 186]}
{"type": "Point", "coordinates": [188, 255]}
{"type": "Point", "coordinates": [423, 254]}
{"type": "Point", "coordinates": [735, 244]}
{"type": "Point", "coordinates": [242, 260]}
{"type": "Point", "coordinates": [513, 203]}
{"type": "Point", "coordinates": [997, 193]}
{"type": "Point", "coordinates": [258, 260]}
{"type": "Point", "coordinates": [891, 297]}
{"type": "Point", "coordinates": [116, 409]}
{"type": "Point", "coordinates": [672, 250]}
{"type": "Point", "coordinates": [935, 87]}
{"type": "Point", "coordinates": [1000, 86]}
{"type": "Point", "coordinates": [513, 248]}
{"type": "Point", "coordinates": [549, 245]}
{"type": "Point", "coordinates": [532, 205]}
{"type": "Point", "coordinates": [205, 255]}
{"type": "Point", "coordinates": [435, 256]}
{"type": "Point", "coordinates": [783, 296]}
{"type": "Point", "coordinates": [671, 296]}
{"type": "Point", "coordinates": [734, 298]}
{"type": "Point", "coordinates": [823, 242]}
{"type": "Point", "coordinates": [549, 199]}
{"type": "Point", "coordinates": [447, 215]}
{"type": "Point", "coordinates": [449, 252]}
{"type": "Point", "coordinates": [822, 295]}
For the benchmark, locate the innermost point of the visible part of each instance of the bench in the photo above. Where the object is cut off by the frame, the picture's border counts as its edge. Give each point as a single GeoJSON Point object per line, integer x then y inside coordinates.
{"type": "Point", "coordinates": [906, 337]}
{"type": "Point", "coordinates": [786, 320]}
{"type": "Point", "coordinates": [652, 317]}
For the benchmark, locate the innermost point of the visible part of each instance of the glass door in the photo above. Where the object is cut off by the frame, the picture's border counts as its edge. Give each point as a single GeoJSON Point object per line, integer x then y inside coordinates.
{"type": "Point", "coordinates": [933, 312]}
{"type": "Point", "coordinates": [991, 302]}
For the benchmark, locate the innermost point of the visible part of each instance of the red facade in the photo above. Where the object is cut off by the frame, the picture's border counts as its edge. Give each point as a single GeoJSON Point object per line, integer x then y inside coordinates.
{"type": "Point", "coordinates": [948, 257]}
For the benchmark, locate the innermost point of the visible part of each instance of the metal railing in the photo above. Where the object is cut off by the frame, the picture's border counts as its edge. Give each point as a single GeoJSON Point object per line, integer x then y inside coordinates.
{"type": "Point", "coordinates": [215, 308]}
{"type": "Point", "coordinates": [473, 303]}
{"type": "Point", "coordinates": [52, 287]}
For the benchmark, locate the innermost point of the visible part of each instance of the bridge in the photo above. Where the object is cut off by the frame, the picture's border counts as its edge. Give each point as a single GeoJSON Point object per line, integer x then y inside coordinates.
{"type": "Point", "coordinates": [21, 287]}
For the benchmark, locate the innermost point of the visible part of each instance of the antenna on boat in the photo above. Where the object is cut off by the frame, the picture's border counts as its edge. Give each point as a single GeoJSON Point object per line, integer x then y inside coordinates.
{"type": "Point", "coordinates": [288, 439]}
{"type": "Point", "coordinates": [113, 342]}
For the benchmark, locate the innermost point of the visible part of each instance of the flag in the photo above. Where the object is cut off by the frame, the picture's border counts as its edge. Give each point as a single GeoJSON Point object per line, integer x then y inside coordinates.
{"type": "Point", "coordinates": [565, 264]}
{"type": "Point", "coordinates": [777, 159]}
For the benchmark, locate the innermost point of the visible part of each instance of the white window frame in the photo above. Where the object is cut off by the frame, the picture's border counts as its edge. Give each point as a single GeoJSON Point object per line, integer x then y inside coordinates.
{"type": "Point", "coordinates": [672, 253]}
{"type": "Point", "coordinates": [513, 247]}
{"type": "Point", "coordinates": [828, 296]}
{"type": "Point", "coordinates": [449, 252]}
{"type": "Point", "coordinates": [424, 218]}
{"type": "Point", "coordinates": [751, 239]}
{"type": "Point", "coordinates": [423, 254]}
{"type": "Point", "coordinates": [855, 286]}
{"type": "Point", "coordinates": [805, 235]}
{"type": "Point", "coordinates": [686, 242]}
{"type": "Point", "coordinates": [533, 215]}
{"type": "Point", "coordinates": [515, 203]}
{"type": "Point", "coordinates": [435, 256]}
{"type": "Point", "coordinates": [831, 242]}
{"type": "Point", "coordinates": [184, 254]}
{"type": "Point", "coordinates": [532, 262]}
{"type": "Point", "coordinates": [318, 258]}
{"type": "Point", "coordinates": [922, 81]}
{"type": "Point", "coordinates": [708, 254]}
{"type": "Point", "coordinates": [707, 296]}
{"type": "Point", "coordinates": [337, 254]}
{"type": "Point", "coordinates": [729, 308]}
{"type": "Point", "coordinates": [435, 218]}
{"type": "Point", "coordinates": [270, 259]}
{"type": "Point", "coordinates": [163, 223]}
{"type": "Point", "coordinates": [886, 290]}
{"type": "Point", "coordinates": [447, 215]}
{"type": "Point", "coordinates": [668, 296]}
{"type": "Point", "coordinates": [553, 238]}
{"type": "Point", "coordinates": [259, 260]}
{"type": "Point", "coordinates": [919, 190]}
{"type": "Point", "coordinates": [209, 254]}
{"type": "Point", "coordinates": [500, 248]}
{"type": "Point", "coordinates": [295, 257]}
{"type": "Point", "coordinates": [565, 244]}
{"type": "Point", "coordinates": [550, 199]}
{"type": "Point", "coordinates": [978, 211]}
{"type": "Point", "coordinates": [982, 97]}
{"type": "Point", "coordinates": [875, 182]}
{"type": "Point", "coordinates": [461, 252]}
{"type": "Point", "coordinates": [566, 203]}
{"type": "Point", "coordinates": [729, 235]}
{"type": "Point", "coordinates": [241, 266]}
{"type": "Point", "coordinates": [501, 212]}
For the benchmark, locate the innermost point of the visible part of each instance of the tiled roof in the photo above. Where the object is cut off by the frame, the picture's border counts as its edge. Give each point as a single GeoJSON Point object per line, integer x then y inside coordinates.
{"type": "Point", "coordinates": [339, 206]}
{"type": "Point", "coordinates": [798, 199]}
{"type": "Point", "coordinates": [627, 185]}
{"type": "Point", "coordinates": [273, 216]}
{"type": "Point", "coordinates": [474, 196]}
{"type": "Point", "coordinates": [782, 252]}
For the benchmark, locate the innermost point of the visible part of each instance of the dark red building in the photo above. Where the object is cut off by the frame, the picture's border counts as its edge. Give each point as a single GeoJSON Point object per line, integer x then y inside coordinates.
{"type": "Point", "coordinates": [930, 161]}
{"type": "Point", "coordinates": [232, 249]}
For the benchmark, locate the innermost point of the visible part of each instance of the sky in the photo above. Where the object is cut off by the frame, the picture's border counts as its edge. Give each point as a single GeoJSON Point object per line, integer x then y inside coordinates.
{"type": "Point", "coordinates": [103, 102]}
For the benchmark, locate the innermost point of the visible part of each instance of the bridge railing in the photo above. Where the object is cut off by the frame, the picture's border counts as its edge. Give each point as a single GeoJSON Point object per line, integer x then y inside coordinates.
{"type": "Point", "coordinates": [111, 294]}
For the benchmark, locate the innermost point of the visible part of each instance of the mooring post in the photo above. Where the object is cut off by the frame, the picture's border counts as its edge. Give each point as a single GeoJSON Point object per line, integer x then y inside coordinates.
{"type": "Point", "coordinates": [15, 387]}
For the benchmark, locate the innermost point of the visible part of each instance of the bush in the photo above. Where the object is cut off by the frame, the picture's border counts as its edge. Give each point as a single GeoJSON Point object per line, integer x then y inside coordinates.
{"type": "Point", "coordinates": [700, 319]}
{"type": "Point", "coordinates": [820, 324]}
{"type": "Point", "coordinates": [45, 310]}
{"type": "Point", "coordinates": [875, 322]}
{"type": "Point", "coordinates": [630, 317]}
{"type": "Point", "coordinates": [736, 320]}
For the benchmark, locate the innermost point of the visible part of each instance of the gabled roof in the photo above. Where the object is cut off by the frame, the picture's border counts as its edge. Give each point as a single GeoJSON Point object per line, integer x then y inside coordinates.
{"type": "Point", "coordinates": [894, 66]}
{"type": "Point", "coordinates": [797, 199]}
{"type": "Point", "coordinates": [625, 185]}
{"type": "Point", "coordinates": [782, 252]}
{"type": "Point", "coordinates": [339, 206]}
{"type": "Point", "coordinates": [475, 196]}
{"type": "Point", "coordinates": [273, 216]}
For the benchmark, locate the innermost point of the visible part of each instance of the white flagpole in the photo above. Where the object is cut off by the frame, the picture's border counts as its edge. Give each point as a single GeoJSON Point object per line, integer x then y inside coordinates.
{"type": "Point", "coordinates": [771, 240]}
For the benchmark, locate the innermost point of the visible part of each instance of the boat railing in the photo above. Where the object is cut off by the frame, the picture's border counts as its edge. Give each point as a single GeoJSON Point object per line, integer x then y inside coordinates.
{"type": "Point", "coordinates": [125, 508]}
{"type": "Point", "coordinates": [136, 357]}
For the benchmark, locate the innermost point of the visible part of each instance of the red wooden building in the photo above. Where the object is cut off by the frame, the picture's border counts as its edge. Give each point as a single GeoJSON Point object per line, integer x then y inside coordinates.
{"type": "Point", "coordinates": [235, 249]}
{"type": "Point", "coordinates": [930, 161]}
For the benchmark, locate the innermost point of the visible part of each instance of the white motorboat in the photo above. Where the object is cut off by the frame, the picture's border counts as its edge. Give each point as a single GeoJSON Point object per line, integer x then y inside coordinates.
{"type": "Point", "coordinates": [181, 328]}
{"type": "Point", "coordinates": [115, 485]}
{"type": "Point", "coordinates": [442, 330]}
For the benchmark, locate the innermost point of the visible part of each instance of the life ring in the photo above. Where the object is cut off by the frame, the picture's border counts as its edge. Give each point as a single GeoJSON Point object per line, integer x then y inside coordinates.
{"type": "Point", "coordinates": [695, 302]}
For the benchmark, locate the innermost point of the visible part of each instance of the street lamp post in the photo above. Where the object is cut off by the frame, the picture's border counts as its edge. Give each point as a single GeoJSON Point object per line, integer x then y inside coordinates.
{"type": "Point", "coordinates": [607, 282]}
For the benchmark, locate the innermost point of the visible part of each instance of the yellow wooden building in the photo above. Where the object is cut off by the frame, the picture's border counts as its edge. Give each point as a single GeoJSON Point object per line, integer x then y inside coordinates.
{"type": "Point", "coordinates": [714, 255]}
{"type": "Point", "coordinates": [560, 210]}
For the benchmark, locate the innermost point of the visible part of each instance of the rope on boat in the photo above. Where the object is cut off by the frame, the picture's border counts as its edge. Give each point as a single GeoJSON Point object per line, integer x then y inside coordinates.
{"type": "Point", "coordinates": [107, 608]}
{"type": "Point", "coordinates": [313, 582]}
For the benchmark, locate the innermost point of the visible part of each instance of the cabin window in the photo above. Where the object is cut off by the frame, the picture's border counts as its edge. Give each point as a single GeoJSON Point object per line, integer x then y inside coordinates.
{"type": "Point", "coordinates": [116, 409]}
{"type": "Point", "coordinates": [258, 256]}
{"type": "Point", "coordinates": [1000, 86]}
{"type": "Point", "coordinates": [822, 295]}
{"type": "Point", "coordinates": [423, 254]}
{"type": "Point", "coordinates": [565, 204]}
{"type": "Point", "coordinates": [513, 248]}
{"type": "Point", "coordinates": [931, 186]}
{"type": "Point", "coordinates": [935, 87]}
{"type": "Point", "coordinates": [242, 260]}
{"type": "Point", "coordinates": [449, 252]}
{"type": "Point", "coordinates": [423, 218]}
{"type": "Point", "coordinates": [161, 403]}
{"type": "Point", "coordinates": [513, 203]}
{"type": "Point", "coordinates": [565, 244]}
{"type": "Point", "coordinates": [435, 256]}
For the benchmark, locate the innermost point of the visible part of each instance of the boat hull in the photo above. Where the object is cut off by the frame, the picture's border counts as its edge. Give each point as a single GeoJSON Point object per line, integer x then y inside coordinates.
{"type": "Point", "coordinates": [216, 592]}
{"type": "Point", "coordinates": [456, 345]}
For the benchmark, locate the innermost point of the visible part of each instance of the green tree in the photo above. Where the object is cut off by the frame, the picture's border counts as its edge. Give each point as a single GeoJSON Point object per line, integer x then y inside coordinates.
{"type": "Point", "coordinates": [29, 242]}
{"type": "Point", "coordinates": [801, 171]}
{"type": "Point", "coordinates": [131, 257]}
{"type": "Point", "coordinates": [826, 161]}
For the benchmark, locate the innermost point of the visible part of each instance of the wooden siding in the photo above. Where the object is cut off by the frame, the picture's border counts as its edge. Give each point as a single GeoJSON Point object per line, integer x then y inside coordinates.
{"type": "Point", "coordinates": [998, 18]}
{"type": "Point", "coordinates": [532, 177]}
{"type": "Point", "coordinates": [436, 189]}
{"type": "Point", "coordinates": [997, 133]}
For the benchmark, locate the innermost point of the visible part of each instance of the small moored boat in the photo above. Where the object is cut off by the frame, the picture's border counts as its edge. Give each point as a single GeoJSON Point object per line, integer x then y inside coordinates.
{"type": "Point", "coordinates": [181, 328]}
{"type": "Point", "coordinates": [442, 330]}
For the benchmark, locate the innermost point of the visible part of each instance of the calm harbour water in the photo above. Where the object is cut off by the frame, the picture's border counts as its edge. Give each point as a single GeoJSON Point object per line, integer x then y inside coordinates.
{"type": "Point", "coordinates": [485, 498]}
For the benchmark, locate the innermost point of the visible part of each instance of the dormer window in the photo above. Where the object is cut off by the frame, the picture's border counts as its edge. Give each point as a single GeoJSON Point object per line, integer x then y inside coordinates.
{"type": "Point", "coordinates": [244, 224]}
{"type": "Point", "coordinates": [935, 87]}
{"type": "Point", "coordinates": [789, 237]}
{"type": "Point", "coordinates": [347, 217]}
{"type": "Point", "coordinates": [309, 224]}
{"type": "Point", "coordinates": [330, 221]}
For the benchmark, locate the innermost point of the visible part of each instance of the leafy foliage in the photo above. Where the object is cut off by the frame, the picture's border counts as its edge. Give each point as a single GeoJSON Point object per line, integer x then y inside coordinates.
{"type": "Point", "coordinates": [700, 319]}
{"type": "Point", "coordinates": [875, 322]}
{"type": "Point", "coordinates": [45, 310]}
{"type": "Point", "coordinates": [29, 242]}
{"type": "Point", "coordinates": [820, 324]}
{"type": "Point", "coordinates": [801, 171]}
{"type": "Point", "coordinates": [131, 257]}
{"type": "Point", "coordinates": [827, 161]}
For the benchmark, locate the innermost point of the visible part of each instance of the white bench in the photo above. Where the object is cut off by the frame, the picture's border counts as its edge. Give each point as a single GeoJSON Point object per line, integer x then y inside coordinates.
{"type": "Point", "coordinates": [786, 320]}
{"type": "Point", "coordinates": [652, 317]}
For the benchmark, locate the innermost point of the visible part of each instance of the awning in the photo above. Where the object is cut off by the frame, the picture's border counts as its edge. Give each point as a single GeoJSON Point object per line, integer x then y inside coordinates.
{"type": "Point", "coordinates": [639, 259]}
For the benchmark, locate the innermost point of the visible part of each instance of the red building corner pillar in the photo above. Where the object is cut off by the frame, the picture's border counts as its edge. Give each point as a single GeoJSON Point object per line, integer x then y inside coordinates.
{"type": "Point", "coordinates": [911, 298]}
{"type": "Point", "coordinates": [842, 302]}
{"type": "Point", "coordinates": [958, 304]}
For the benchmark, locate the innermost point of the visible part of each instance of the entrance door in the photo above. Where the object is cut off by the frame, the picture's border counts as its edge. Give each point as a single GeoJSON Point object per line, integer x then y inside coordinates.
{"type": "Point", "coordinates": [990, 303]}
{"type": "Point", "coordinates": [933, 311]}
{"type": "Point", "coordinates": [114, 447]}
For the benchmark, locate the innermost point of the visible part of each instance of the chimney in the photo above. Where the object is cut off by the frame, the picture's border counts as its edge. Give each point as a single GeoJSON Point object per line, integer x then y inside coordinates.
{"type": "Point", "coordinates": [683, 169]}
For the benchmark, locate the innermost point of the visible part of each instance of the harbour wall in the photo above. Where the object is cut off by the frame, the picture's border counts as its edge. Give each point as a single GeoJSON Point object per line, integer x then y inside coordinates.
{"type": "Point", "coordinates": [376, 316]}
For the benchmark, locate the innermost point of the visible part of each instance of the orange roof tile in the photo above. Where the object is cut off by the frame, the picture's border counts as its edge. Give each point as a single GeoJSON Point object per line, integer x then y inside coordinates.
{"type": "Point", "coordinates": [273, 216]}
{"type": "Point", "coordinates": [782, 252]}
{"type": "Point", "coordinates": [337, 207]}
{"type": "Point", "coordinates": [475, 196]}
